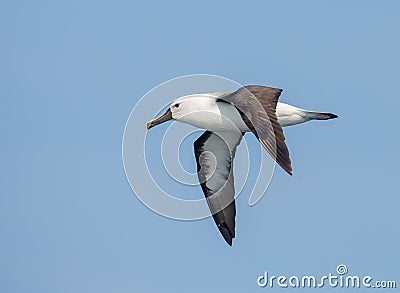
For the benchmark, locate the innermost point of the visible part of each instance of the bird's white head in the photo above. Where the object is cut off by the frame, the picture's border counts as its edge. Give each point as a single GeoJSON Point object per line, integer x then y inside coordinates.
{"type": "Point", "coordinates": [188, 109]}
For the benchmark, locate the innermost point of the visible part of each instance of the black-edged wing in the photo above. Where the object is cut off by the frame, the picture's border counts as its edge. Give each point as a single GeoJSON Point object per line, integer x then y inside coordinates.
{"type": "Point", "coordinates": [214, 156]}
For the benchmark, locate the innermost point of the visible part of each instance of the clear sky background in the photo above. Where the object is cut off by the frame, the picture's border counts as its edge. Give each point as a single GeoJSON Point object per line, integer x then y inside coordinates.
{"type": "Point", "coordinates": [70, 73]}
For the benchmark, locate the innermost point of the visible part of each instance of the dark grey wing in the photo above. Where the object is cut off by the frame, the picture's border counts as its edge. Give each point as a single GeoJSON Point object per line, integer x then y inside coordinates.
{"type": "Point", "coordinates": [214, 156]}
{"type": "Point", "coordinates": [257, 106]}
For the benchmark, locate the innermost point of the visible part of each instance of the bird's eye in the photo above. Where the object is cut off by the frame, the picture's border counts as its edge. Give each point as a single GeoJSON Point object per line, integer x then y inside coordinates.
{"type": "Point", "coordinates": [176, 105]}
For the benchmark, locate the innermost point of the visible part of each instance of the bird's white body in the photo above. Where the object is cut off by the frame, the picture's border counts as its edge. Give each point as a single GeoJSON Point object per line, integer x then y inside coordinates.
{"type": "Point", "coordinates": [204, 111]}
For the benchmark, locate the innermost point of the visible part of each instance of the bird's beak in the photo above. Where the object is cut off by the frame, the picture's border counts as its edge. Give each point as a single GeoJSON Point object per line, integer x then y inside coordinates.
{"type": "Point", "coordinates": [167, 115]}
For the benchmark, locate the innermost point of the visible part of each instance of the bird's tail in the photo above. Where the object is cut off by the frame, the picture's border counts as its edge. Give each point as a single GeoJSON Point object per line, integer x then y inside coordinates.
{"type": "Point", "coordinates": [319, 115]}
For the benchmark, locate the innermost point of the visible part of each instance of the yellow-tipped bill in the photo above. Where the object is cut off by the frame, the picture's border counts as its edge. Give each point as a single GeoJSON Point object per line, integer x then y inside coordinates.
{"type": "Point", "coordinates": [167, 115]}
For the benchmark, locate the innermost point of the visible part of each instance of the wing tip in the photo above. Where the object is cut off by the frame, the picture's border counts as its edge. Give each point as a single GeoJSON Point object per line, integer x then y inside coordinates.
{"type": "Point", "coordinates": [289, 169]}
{"type": "Point", "coordinates": [228, 238]}
{"type": "Point", "coordinates": [226, 233]}
{"type": "Point", "coordinates": [285, 165]}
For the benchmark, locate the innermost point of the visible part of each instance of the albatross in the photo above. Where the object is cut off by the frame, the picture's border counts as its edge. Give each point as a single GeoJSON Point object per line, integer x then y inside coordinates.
{"type": "Point", "coordinates": [226, 117]}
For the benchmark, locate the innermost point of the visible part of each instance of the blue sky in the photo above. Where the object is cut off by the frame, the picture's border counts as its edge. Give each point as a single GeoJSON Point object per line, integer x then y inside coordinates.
{"type": "Point", "coordinates": [71, 71]}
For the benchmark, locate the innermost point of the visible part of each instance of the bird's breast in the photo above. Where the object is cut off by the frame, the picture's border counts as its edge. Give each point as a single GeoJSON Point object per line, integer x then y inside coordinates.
{"type": "Point", "coordinates": [220, 117]}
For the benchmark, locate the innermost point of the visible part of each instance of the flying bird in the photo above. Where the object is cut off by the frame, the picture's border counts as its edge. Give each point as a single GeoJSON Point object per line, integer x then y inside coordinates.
{"type": "Point", "coordinates": [226, 117]}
